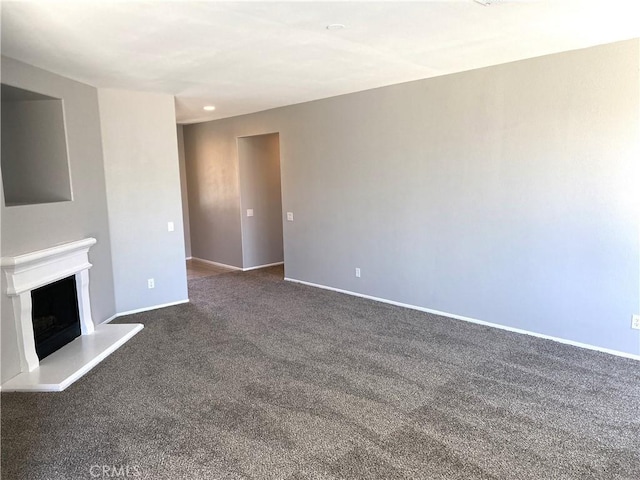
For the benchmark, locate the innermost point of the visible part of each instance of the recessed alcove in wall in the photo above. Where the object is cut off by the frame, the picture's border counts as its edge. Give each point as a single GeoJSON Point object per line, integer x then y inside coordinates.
{"type": "Point", "coordinates": [35, 161]}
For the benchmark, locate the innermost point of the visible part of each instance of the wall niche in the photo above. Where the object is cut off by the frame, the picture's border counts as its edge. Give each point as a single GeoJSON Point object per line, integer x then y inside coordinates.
{"type": "Point", "coordinates": [35, 160]}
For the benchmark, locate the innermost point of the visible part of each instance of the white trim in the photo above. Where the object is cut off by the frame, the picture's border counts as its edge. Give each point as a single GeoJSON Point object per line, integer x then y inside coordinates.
{"type": "Point", "coordinates": [473, 320]}
{"type": "Point", "coordinates": [146, 309]}
{"type": "Point", "coordinates": [262, 266]}
{"type": "Point", "coordinates": [215, 264]}
{"type": "Point", "coordinates": [189, 258]}
{"type": "Point", "coordinates": [109, 320]}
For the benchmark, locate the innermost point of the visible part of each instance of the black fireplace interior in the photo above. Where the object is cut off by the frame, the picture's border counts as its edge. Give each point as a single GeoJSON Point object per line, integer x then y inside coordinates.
{"type": "Point", "coordinates": [56, 320]}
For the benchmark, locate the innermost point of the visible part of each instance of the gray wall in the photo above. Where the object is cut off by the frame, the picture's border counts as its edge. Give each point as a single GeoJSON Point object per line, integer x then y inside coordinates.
{"type": "Point", "coordinates": [184, 193]}
{"type": "Point", "coordinates": [35, 163]}
{"type": "Point", "coordinates": [214, 198]}
{"type": "Point", "coordinates": [506, 194]}
{"type": "Point", "coordinates": [32, 227]}
{"type": "Point", "coordinates": [143, 191]}
{"type": "Point", "coordinates": [259, 168]}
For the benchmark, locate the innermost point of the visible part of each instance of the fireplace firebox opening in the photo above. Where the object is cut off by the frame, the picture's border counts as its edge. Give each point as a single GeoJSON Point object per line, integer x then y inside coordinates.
{"type": "Point", "coordinates": [55, 314]}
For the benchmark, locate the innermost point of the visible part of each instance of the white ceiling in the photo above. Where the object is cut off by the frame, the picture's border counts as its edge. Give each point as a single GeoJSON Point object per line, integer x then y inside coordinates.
{"type": "Point", "coordinates": [245, 57]}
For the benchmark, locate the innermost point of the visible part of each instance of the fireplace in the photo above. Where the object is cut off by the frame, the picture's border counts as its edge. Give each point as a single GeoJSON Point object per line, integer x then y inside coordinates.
{"type": "Point", "coordinates": [56, 340]}
{"type": "Point", "coordinates": [55, 315]}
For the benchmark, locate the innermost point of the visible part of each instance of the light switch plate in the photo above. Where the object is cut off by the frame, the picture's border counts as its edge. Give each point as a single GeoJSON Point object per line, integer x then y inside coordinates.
{"type": "Point", "coordinates": [289, 216]}
{"type": "Point", "coordinates": [249, 212]}
{"type": "Point", "coordinates": [635, 322]}
{"type": "Point", "coordinates": [170, 226]}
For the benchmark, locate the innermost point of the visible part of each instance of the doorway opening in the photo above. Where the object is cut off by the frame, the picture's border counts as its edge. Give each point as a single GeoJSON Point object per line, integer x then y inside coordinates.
{"type": "Point", "coordinates": [261, 203]}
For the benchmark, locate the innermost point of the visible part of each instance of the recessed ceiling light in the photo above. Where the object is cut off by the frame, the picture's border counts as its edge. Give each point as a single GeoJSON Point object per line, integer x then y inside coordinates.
{"type": "Point", "coordinates": [209, 108]}
{"type": "Point", "coordinates": [335, 26]}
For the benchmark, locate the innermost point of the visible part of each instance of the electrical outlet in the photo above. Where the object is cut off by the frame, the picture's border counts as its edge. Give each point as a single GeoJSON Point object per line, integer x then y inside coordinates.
{"type": "Point", "coordinates": [151, 283]}
{"type": "Point", "coordinates": [635, 322]}
{"type": "Point", "coordinates": [289, 216]}
{"type": "Point", "coordinates": [357, 272]}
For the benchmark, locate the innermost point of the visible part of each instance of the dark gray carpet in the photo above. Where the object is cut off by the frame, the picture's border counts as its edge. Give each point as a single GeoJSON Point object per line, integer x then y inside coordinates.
{"type": "Point", "coordinates": [263, 379]}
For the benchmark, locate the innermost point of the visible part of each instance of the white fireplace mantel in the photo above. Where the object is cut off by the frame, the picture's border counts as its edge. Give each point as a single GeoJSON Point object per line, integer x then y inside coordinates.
{"type": "Point", "coordinates": [29, 271]}
{"type": "Point", "coordinates": [32, 270]}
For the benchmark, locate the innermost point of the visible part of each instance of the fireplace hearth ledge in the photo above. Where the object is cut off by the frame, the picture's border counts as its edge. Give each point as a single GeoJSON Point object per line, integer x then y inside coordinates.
{"type": "Point", "coordinates": [75, 359]}
{"type": "Point", "coordinates": [63, 367]}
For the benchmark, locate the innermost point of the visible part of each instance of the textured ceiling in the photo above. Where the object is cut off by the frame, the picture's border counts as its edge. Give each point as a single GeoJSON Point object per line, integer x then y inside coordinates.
{"type": "Point", "coordinates": [245, 57]}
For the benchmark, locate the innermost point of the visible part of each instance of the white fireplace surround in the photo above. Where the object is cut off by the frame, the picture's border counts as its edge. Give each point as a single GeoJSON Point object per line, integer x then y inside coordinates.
{"type": "Point", "coordinates": [33, 270]}
{"type": "Point", "coordinates": [29, 271]}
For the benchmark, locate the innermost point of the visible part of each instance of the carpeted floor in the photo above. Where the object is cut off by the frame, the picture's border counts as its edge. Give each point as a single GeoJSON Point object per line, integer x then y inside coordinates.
{"type": "Point", "coordinates": [259, 378]}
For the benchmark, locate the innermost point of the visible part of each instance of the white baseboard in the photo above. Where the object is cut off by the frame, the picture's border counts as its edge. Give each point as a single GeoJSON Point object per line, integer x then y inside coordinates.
{"type": "Point", "coordinates": [110, 319]}
{"type": "Point", "coordinates": [189, 258]}
{"type": "Point", "coordinates": [144, 309]}
{"type": "Point", "coordinates": [232, 267]}
{"type": "Point", "coordinates": [215, 264]}
{"type": "Point", "coordinates": [262, 266]}
{"type": "Point", "coordinates": [473, 320]}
